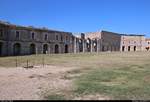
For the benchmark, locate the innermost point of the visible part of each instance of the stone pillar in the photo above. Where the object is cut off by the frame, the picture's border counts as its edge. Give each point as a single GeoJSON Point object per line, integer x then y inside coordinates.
{"type": "Point", "coordinates": [75, 45]}
{"type": "Point", "coordinates": [49, 50]}
{"type": "Point", "coordinates": [83, 42]}
{"type": "Point", "coordinates": [91, 46]}
{"type": "Point", "coordinates": [36, 50]}
{"type": "Point", "coordinates": [97, 45]}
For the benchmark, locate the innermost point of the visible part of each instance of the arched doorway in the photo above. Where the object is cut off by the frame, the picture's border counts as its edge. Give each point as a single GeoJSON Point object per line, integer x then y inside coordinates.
{"type": "Point", "coordinates": [103, 48]}
{"type": "Point", "coordinates": [1, 44]}
{"type": "Point", "coordinates": [147, 48]}
{"type": "Point", "coordinates": [123, 48]}
{"type": "Point", "coordinates": [95, 46]}
{"type": "Point", "coordinates": [45, 49]}
{"type": "Point", "coordinates": [128, 48]}
{"type": "Point", "coordinates": [32, 49]}
{"type": "Point", "coordinates": [80, 45]}
{"type": "Point", "coordinates": [17, 49]}
{"type": "Point", "coordinates": [88, 45]}
{"type": "Point", "coordinates": [66, 48]}
{"type": "Point", "coordinates": [134, 48]}
{"type": "Point", "coordinates": [56, 49]}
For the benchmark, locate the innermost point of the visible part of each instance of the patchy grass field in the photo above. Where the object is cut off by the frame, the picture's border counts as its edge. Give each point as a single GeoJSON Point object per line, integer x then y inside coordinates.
{"type": "Point", "coordinates": [103, 76]}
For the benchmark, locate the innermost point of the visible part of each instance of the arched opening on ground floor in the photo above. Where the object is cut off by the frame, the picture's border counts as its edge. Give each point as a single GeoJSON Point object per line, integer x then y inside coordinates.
{"type": "Point", "coordinates": [88, 45]}
{"type": "Point", "coordinates": [103, 48]}
{"type": "Point", "coordinates": [66, 49]}
{"type": "Point", "coordinates": [123, 48]}
{"type": "Point", "coordinates": [111, 48]}
{"type": "Point", "coordinates": [95, 46]}
{"type": "Point", "coordinates": [16, 49]}
{"type": "Point", "coordinates": [147, 48]}
{"type": "Point", "coordinates": [1, 45]}
{"type": "Point", "coordinates": [134, 48]}
{"type": "Point", "coordinates": [45, 48]}
{"type": "Point", "coordinates": [56, 49]}
{"type": "Point", "coordinates": [32, 49]}
{"type": "Point", "coordinates": [80, 45]}
{"type": "Point", "coordinates": [129, 48]}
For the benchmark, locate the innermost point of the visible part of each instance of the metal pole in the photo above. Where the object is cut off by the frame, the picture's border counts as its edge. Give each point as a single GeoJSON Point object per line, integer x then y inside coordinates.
{"type": "Point", "coordinates": [27, 64]}
{"type": "Point", "coordinates": [16, 62]}
{"type": "Point", "coordinates": [43, 61]}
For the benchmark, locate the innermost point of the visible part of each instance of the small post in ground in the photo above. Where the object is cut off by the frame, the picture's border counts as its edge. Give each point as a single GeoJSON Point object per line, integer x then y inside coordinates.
{"type": "Point", "coordinates": [16, 62]}
{"type": "Point", "coordinates": [43, 61]}
{"type": "Point", "coordinates": [27, 64]}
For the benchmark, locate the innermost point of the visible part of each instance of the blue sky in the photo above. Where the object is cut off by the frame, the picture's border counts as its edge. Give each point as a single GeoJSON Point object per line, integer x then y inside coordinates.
{"type": "Point", "coordinates": [122, 16]}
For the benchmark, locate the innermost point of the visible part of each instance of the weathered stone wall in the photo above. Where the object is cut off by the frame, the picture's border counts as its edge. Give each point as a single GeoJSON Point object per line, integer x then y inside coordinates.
{"type": "Point", "coordinates": [132, 43]}
{"type": "Point", "coordinates": [147, 41]}
{"type": "Point", "coordinates": [64, 40]}
{"type": "Point", "coordinates": [93, 35]}
{"type": "Point", "coordinates": [51, 41]}
{"type": "Point", "coordinates": [110, 41]}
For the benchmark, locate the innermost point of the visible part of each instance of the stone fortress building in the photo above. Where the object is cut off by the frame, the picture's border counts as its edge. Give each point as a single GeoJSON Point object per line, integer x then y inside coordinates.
{"type": "Point", "coordinates": [21, 40]}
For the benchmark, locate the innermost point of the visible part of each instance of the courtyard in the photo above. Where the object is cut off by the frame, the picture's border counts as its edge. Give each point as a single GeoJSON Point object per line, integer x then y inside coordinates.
{"type": "Point", "coordinates": [81, 76]}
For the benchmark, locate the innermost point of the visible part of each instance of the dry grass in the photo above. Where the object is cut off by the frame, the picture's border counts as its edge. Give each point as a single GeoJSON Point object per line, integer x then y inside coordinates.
{"type": "Point", "coordinates": [113, 75]}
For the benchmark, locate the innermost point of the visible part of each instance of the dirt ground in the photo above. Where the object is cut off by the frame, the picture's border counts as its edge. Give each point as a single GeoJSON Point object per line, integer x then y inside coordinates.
{"type": "Point", "coordinates": [33, 84]}
{"type": "Point", "coordinates": [28, 84]}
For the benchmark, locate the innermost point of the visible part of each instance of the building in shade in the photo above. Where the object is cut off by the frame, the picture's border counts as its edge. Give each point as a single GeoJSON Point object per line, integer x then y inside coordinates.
{"type": "Point", "coordinates": [21, 40]}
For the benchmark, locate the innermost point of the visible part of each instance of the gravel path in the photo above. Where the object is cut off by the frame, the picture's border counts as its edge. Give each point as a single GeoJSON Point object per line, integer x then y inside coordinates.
{"type": "Point", "coordinates": [27, 84]}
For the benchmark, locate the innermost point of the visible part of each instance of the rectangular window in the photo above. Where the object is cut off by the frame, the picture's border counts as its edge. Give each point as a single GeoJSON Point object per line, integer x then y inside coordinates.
{"type": "Point", "coordinates": [66, 38]}
{"type": "Point", "coordinates": [1, 33]}
{"type": "Point", "coordinates": [33, 36]}
{"type": "Point", "coordinates": [46, 37]}
{"type": "Point", "coordinates": [61, 38]}
{"type": "Point", "coordinates": [17, 34]}
{"type": "Point", "coordinates": [56, 37]}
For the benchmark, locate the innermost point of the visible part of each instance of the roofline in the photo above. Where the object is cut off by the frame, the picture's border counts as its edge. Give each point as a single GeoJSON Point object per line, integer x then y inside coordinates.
{"type": "Point", "coordinates": [30, 27]}
{"type": "Point", "coordinates": [124, 34]}
{"type": "Point", "coordinates": [131, 35]}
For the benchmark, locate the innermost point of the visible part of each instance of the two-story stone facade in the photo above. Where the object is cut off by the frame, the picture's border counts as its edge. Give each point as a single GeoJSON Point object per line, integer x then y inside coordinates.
{"type": "Point", "coordinates": [133, 42]}
{"type": "Point", "coordinates": [110, 41]}
{"type": "Point", "coordinates": [21, 40]}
